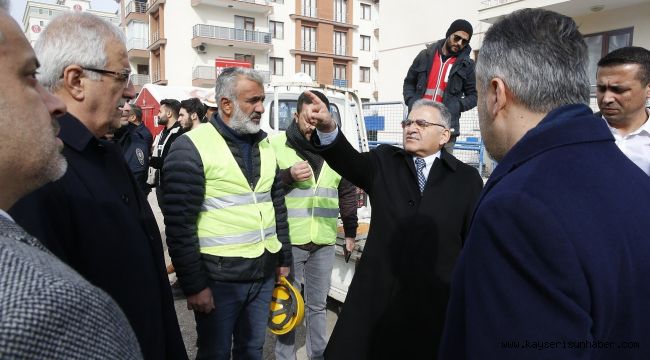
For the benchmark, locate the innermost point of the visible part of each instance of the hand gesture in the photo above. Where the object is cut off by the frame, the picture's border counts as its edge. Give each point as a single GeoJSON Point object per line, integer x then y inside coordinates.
{"type": "Point", "coordinates": [318, 114]}
{"type": "Point", "coordinates": [301, 171]}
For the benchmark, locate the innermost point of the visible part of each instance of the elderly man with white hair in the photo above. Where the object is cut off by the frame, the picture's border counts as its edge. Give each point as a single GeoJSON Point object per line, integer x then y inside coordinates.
{"type": "Point", "coordinates": [95, 218]}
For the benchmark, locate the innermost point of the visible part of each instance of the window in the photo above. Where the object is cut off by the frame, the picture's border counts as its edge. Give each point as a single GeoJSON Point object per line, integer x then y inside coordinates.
{"type": "Point", "coordinates": [339, 76]}
{"type": "Point", "coordinates": [288, 108]}
{"type": "Point", "coordinates": [246, 57]}
{"type": "Point", "coordinates": [143, 69]}
{"type": "Point", "coordinates": [308, 38]}
{"type": "Point", "coordinates": [339, 42]}
{"type": "Point", "coordinates": [365, 42]}
{"type": "Point", "coordinates": [365, 11]}
{"type": "Point", "coordinates": [309, 8]}
{"type": "Point", "coordinates": [277, 66]}
{"type": "Point", "coordinates": [340, 10]}
{"type": "Point", "coordinates": [601, 44]}
{"type": "Point", "coordinates": [309, 68]}
{"type": "Point", "coordinates": [364, 75]}
{"type": "Point", "coordinates": [277, 29]}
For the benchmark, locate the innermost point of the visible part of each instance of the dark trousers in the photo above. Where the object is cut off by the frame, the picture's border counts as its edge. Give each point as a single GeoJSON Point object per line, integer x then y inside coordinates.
{"type": "Point", "coordinates": [238, 320]}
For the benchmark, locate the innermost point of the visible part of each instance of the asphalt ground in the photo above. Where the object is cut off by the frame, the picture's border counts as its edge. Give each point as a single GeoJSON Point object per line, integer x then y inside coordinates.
{"type": "Point", "coordinates": [186, 317]}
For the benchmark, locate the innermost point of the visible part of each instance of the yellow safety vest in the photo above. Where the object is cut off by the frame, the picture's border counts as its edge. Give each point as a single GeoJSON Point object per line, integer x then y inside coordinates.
{"type": "Point", "coordinates": [234, 221]}
{"type": "Point", "coordinates": [313, 204]}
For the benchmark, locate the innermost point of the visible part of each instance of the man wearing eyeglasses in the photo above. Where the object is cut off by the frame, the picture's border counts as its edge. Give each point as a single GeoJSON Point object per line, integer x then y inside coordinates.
{"type": "Point", "coordinates": [94, 218]}
{"type": "Point", "coordinates": [422, 202]}
{"type": "Point", "coordinates": [444, 72]}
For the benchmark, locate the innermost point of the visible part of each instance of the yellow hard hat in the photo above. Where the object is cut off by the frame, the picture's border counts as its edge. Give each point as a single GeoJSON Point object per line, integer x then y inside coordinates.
{"type": "Point", "coordinates": [287, 308]}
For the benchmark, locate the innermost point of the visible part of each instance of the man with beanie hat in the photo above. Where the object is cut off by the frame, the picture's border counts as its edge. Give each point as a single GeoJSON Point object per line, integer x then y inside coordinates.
{"type": "Point", "coordinates": [443, 72]}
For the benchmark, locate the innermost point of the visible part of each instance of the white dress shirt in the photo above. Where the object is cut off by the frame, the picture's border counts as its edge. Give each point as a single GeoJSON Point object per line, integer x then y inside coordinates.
{"type": "Point", "coordinates": [635, 145]}
{"type": "Point", "coordinates": [428, 162]}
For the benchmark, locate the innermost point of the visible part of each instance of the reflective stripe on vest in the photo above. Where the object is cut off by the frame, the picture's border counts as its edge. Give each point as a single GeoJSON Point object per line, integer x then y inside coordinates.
{"type": "Point", "coordinates": [233, 200]}
{"type": "Point", "coordinates": [245, 238]}
{"type": "Point", "coordinates": [235, 220]}
{"type": "Point", "coordinates": [312, 205]}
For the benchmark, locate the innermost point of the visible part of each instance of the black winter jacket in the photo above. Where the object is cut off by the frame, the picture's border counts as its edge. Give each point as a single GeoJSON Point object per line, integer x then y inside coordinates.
{"type": "Point", "coordinates": [184, 191]}
{"type": "Point", "coordinates": [460, 93]}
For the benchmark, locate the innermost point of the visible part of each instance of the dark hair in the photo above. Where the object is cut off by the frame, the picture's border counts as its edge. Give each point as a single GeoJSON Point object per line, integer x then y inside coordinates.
{"type": "Point", "coordinates": [137, 111]}
{"type": "Point", "coordinates": [304, 99]}
{"type": "Point", "coordinates": [630, 55]}
{"type": "Point", "coordinates": [173, 104]}
{"type": "Point", "coordinates": [194, 106]}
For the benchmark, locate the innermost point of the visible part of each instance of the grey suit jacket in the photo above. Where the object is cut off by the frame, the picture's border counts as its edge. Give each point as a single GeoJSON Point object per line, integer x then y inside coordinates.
{"type": "Point", "coordinates": [48, 311]}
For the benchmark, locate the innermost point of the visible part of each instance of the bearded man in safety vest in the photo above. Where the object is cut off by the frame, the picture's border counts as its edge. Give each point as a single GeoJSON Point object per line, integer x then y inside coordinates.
{"type": "Point", "coordinates": [314, 196]}
{"type": "Point", "coordinates": [226, 220]}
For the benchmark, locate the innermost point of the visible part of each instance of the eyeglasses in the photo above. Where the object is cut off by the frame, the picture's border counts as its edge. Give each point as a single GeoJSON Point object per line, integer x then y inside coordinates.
{"type": "Point", "coordinates": [456, 38]}
{"type": "Point", "coordinates": [420, 123]}
{"type": "Point", "coordinates": [121, 76]}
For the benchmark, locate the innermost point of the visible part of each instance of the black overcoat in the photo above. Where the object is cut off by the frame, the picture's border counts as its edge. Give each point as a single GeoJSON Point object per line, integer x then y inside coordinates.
{"type": "Point", "coordinates": [396, 303]}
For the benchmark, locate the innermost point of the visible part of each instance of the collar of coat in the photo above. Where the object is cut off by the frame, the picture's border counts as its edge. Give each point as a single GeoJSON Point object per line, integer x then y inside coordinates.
{"type": "Point", "coordinates": [565, 125]}
{"type": "Point", "coordinates": [74, 133]}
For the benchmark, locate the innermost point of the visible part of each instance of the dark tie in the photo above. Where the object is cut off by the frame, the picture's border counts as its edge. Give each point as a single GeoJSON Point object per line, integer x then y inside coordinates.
{"type": "Point", "coordinates": [419, 166]}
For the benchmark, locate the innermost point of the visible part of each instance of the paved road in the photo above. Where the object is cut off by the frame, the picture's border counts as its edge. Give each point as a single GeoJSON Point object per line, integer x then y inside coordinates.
{"type": "Point", "coordinates": [186, 317]}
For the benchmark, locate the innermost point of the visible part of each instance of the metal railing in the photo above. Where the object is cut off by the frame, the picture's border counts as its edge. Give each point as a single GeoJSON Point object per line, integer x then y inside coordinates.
{"type": "Point", "coordinates": [340, 83]}
{"type": "Point", "coordinates": [155, 76]}
{"type": "Point", "coordinates": [136, 7]}
{"type": "Point", "coordinates": [140, 79]}
{"type": "Point", "coordinates": [136, 43]}
{"type": "Point", "coordinates": [491, 3]}
{"type": "Point", "coordinates": [310, 11]}
{"type": "Point", "coordinates": [155, 36]}
{"type": "Point", "coordinates": [225, 33]}
{"type": "Point", "coordinates": [204, 72]}
{"type": "Point", "coordinates": [340, 50]}
{"type": "Point", "coordinates": [309, 46]}
{"type": "Point", "coordinates": [210, 73]}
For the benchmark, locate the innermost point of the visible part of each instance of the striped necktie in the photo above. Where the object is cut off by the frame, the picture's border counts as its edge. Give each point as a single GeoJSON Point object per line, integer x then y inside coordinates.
{"type": "Point", "coordinates": [419, 166]}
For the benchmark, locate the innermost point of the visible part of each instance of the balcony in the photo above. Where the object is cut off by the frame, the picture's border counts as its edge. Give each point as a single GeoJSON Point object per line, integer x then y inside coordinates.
{"type": "Point", "coordinates": [252, 6]}
{"type": "Point", "coordinates": [309, 46]}
{"type": "Point", "coordinates": [140, 79]}
{"type": "Point", "coordinates": [137, 48]}
{"type": "Point", "coordinates": [204, 76]}
{"type": "Point", "coordinates": [136, 10]}
{"type": "Point", "coordinates": [156, 78]}
{"type": "Point", "coordinates": [156, 41]}
{"type": "Point", "coordinates": [153, 5]}
{"type": "Point", "coordinates": [340, 50]}
{"type": "Point", "coordinates": [311, 12]}
{"type": "Point", "coordinates": [340, 83]}
{"type": "Point", "coordinates": [224, 36]}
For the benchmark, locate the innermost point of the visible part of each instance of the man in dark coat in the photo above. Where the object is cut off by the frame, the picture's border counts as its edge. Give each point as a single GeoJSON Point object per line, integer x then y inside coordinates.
{"type": "Point", "coordinates": [94, 218]}
{"type": "Point", "coordinates": [422, 201]}
{"type": "Point", "coordinates": [444, 72]}
{"type": "Point", "coordinates": [47, 310]}
{"type": "Point", "coordinates": [558, 254]}
{"type": "Point", "coordinates": [135, 140]}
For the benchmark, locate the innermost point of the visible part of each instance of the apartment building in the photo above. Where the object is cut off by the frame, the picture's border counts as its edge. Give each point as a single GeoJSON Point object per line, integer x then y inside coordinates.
{"type": "Point", "coordinates": [181, 43]}
{"type": "Point", "coordinates": [605, 24]}
{"type": "Point", "coordinates": [38, 14]}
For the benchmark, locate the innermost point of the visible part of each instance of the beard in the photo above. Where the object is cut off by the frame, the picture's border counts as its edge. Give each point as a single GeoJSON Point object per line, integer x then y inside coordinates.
{"type": "Point", "coordinates": [243, 124]}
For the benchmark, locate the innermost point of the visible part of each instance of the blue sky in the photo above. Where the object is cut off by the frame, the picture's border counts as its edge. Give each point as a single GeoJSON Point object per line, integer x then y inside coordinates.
{"type": "Point", "coordinates": [18, 7]}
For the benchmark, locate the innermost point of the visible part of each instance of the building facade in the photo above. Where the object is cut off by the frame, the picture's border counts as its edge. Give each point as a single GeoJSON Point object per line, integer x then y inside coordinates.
{"type": "Point", "coordinates": [181, 43]}
{"type": "Point", "coordinates": [37, 15]}
{"type": "Point", "coordinates": [606, 25]}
